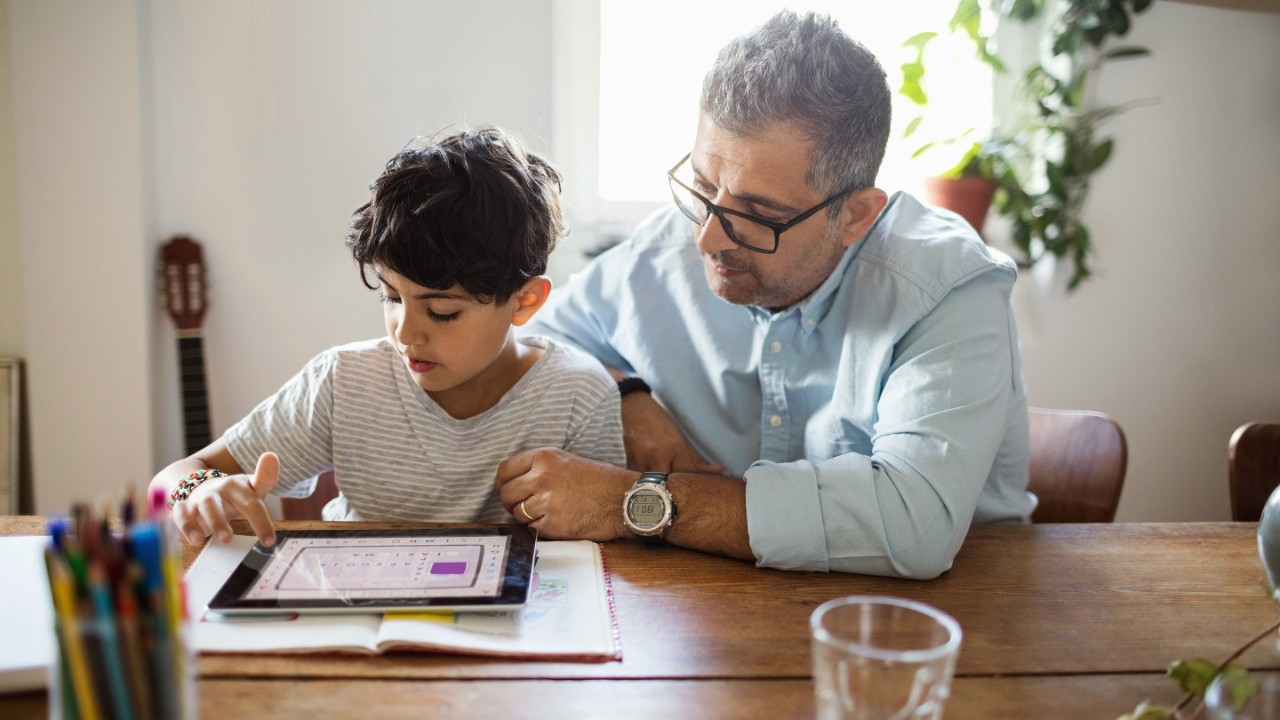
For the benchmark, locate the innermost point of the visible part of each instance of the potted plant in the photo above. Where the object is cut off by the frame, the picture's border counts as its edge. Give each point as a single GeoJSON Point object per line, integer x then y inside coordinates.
{"type": "Point", "coordinates": [1042, 167]}
{"type": "Point", "coordinates": [967, 188]}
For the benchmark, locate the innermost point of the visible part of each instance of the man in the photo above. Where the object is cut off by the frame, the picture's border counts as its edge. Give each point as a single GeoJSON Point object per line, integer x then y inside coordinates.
{"type": "Point", "coordinates": [848, 362]}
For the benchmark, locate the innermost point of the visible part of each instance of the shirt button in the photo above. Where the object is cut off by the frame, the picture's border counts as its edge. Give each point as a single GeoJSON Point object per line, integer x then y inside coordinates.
{"type": "Point", "coordinates": [775, 421]}
{"type": "Point", "coordinates": [775, 346]}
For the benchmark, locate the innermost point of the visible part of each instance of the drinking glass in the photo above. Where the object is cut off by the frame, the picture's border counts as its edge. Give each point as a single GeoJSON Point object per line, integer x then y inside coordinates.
{"type": "Point", "coordinates": [882, 658]}
{"type": "Point", "coordinates": [1244, 697]}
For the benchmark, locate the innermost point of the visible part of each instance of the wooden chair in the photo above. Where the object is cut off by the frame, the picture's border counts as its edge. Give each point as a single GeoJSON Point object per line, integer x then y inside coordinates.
{"type": "Point", "coordinates": [310, 507]}
{"type": "Point", "coordinates": [1078, 460]}
{"type": "Point", "coordinates": [1253, 468]}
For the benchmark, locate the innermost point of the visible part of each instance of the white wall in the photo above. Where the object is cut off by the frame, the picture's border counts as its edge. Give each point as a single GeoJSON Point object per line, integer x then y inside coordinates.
{"type": "Point", "coordinates": [270, 121]}
{"type": "Point", "coordinates": [12, 322]}
{"type": "Point", "coordinates": [1179, 336]}
{"type": "Point", "coordinates": [256, 127]}
{"type": "Point", "coordinates": [86, 290]}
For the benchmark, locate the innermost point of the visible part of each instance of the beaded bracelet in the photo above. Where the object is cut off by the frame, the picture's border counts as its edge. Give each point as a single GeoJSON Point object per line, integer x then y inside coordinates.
{"type": "Point", "coordinates": [188, 484]}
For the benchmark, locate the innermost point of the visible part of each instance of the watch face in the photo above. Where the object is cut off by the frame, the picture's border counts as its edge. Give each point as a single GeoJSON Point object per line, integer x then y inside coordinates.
{"type": "Point", "coordinates": [646, 508]}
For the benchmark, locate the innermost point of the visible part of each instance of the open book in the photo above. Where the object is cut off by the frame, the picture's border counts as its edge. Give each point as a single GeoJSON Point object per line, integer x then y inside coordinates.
{"type": "Point", "coordinates": [569, 616]}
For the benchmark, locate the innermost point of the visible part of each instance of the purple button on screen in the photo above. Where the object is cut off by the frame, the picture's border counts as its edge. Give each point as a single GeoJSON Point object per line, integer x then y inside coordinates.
{"type": "Point", "coordinates": [448, 568]}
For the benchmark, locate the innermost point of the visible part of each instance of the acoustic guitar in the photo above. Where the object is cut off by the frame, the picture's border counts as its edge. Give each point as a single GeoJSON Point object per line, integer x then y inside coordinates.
{"type": "Point", "coordinates": [182, 287]}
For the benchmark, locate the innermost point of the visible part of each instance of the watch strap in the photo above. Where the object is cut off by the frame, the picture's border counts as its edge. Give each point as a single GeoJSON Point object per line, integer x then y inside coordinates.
{"type": "Point", "coordinates": [659, 478]}
{"type": "Point", "coordinates": [633, 384]}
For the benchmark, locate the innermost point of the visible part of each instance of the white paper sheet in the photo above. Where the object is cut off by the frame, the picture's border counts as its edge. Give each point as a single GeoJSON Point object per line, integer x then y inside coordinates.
{"type": "Point", "coordinates": [26, 615]}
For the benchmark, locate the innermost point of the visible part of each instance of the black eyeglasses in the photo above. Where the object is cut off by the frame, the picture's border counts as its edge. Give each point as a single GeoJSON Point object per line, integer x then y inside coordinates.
{"type": "Point", "coordinates": [749, 231]}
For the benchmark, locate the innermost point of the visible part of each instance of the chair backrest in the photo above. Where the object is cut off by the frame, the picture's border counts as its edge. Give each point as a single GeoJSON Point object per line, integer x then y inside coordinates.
{"type": "Point", "coordinates": [1078, 460]}
{"type": "Point", "coordinates": [310, 507]}
{"type": "Point", "coordinates": [1253, 468]}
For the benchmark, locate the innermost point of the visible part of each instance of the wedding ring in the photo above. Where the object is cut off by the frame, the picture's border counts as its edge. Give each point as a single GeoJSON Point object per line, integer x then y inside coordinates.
{"type": "Point", "coordinates": [522, 509]}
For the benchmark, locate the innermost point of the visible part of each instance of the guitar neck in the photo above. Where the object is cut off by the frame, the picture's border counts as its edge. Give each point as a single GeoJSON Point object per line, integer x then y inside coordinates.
{"type": "Point", "coordinates": [195, 396]}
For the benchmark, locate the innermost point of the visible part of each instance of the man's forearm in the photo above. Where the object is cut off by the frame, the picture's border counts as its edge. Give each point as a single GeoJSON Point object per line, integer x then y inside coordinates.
{"type": "Point", "coordinates": [711, 514]}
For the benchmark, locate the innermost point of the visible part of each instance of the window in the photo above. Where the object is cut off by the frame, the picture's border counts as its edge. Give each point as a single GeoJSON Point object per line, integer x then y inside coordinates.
{"type": "Point", "coordinates": [627, 78]}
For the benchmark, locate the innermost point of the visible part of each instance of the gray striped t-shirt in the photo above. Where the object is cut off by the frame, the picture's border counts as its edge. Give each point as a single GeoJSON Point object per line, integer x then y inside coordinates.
{"type": "Point", "coordinates": [397, 455]}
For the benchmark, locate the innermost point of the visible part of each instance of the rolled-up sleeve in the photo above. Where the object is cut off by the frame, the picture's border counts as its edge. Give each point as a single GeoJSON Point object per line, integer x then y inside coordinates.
{"type": "Point", "coordinates": [904, 509]}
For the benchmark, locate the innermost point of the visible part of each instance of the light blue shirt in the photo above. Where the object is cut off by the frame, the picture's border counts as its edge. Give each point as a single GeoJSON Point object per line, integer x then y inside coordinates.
{"type": "Point", "coordinates": [872, 422]}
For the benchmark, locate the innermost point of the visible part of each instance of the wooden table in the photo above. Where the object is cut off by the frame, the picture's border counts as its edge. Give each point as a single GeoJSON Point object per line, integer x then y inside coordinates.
{"type": "Point", "coordinates": [1060, 621]}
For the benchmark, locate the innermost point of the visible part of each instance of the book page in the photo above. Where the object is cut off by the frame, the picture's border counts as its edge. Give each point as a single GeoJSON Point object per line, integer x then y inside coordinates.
{"type": "Point", "coordinates": [26, 615]}
{"type": "Point", "coordinates": [569, 615]}
{"type": "Point", "coordinates": [266, 633]}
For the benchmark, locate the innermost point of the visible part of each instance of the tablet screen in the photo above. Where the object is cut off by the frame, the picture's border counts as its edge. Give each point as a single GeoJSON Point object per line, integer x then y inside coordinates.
{"type": "Point", "coordinates": [377, 570]}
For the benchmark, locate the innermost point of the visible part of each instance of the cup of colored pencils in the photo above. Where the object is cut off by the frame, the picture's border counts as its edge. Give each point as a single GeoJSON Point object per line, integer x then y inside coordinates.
{"type": "Point", "coordinates": [120, 617]}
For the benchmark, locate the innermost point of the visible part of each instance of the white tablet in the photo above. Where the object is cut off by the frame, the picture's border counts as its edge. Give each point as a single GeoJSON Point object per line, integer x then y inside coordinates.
{"type": "Point", "coordinates": [368, 571]}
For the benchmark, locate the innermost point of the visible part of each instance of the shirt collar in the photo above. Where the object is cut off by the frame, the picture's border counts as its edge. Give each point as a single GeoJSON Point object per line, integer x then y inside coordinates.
{"type": "Point", "coordinates": [814, 308]}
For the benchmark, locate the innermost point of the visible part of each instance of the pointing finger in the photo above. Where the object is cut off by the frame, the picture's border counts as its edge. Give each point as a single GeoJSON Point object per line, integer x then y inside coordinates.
{"type": "Point", "coordinates": [259, 519]}
{"type": "Point", "coordinates": [265, 475]}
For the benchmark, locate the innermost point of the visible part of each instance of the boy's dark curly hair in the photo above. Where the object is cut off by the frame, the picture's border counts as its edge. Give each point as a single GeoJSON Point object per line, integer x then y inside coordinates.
{"type": "Point", "coordinates": [473, 209]}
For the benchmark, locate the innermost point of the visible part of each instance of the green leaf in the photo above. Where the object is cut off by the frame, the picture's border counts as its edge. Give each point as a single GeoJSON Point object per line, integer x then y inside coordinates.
{"type": "Point", "coordinates": [1073, 93]}
{"type": "Point", "coordinates": [1099, 156]}
{"type": "Point", "coordinates": [912, 87]}
{"type": "Point", "coordinates": [967, 15]}
{"type": "Point", "coordinates": [1119, 22]}
{"type": "Point", "coordinates": [1082, 241]}
{"type": "Point", "coordinates": [1053, 174]}
{"type": "Point", "coordinates": [1243, 686]}
{"type": "Point", "coordinates": [1068, 43]}
{"type": "Point", "coordinates": [969, 163]}
{"type": "Point", "coordinates": [922, 150]}
{"type": "Point", "coordinates": [914, 93]}
{"type": "Point", "coordinates": [912, 126]}
{"type": "Point", "coordinates": [1193, 675]}
{"type": "Point", "coordinates": [1126, 51]}
{"type": "Point", "coordinates": [919, 40]}
{"type": "Point", "coordinates": [1080, 275]}
{"type": "Point", "coordinates": [1023, 10]}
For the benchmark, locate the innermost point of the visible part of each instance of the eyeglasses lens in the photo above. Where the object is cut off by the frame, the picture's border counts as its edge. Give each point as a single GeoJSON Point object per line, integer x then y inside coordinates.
{"type": "Point", "coordinates": [741, 230]}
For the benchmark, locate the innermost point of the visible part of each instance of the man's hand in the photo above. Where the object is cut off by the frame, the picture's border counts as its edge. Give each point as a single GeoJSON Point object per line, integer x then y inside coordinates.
{"type": "Point", "coordinates": [564, 496]}
{"type": "Point", "coordinates": [655, 442]}
{"type": "Point", "coordinates": [211, 505]}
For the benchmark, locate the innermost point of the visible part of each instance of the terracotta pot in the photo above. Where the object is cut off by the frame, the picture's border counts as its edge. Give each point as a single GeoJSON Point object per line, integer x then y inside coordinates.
{"type": "Point", "coordinates": [970, 197]}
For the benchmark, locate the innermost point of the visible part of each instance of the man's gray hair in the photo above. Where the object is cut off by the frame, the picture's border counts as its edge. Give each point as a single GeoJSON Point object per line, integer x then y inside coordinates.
{"type": "Point", "coordinates": [805, 69]}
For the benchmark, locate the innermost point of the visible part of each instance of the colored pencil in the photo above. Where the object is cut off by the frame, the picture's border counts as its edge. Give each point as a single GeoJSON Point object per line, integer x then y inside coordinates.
{"type": "Point", "coordinates": [62, 587]}
{"type": "Point", "coordinates": [120, 613]}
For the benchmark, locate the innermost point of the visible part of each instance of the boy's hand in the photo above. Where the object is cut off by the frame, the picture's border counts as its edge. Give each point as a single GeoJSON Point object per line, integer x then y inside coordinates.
{"type": "Point", "coordinates": [211, 506]}
{"type": "Point", "coordinates": [564, 496]}
{"type": "Point", "coordinates": [655, 442]}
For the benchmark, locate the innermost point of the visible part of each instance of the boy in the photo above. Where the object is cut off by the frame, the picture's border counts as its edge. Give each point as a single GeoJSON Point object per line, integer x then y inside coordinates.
{"type": "Point", "coordinates": [456, 237]}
